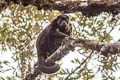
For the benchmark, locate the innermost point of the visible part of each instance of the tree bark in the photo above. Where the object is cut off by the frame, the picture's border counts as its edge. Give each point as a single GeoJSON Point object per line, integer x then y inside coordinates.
{"type": "Point", "coordinates": [88, 8]}
{"type": "Point", "coordinates": [70, 44]}
{"type": "Point", "coordinates": [102, 47]}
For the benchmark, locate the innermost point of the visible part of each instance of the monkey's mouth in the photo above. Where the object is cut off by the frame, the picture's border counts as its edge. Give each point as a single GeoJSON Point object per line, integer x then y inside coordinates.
{"type": "Point", "coordinates": [63, 26]}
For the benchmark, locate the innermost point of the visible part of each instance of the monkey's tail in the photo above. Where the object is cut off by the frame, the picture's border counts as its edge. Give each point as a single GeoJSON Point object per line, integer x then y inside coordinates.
{"type": "Point", "coordinates": [47, 69]}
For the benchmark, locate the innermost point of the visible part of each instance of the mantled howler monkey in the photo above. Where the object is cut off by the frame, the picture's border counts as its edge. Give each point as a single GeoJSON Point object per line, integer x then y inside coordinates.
{"type": "Point", "coordinates": [49, 40]}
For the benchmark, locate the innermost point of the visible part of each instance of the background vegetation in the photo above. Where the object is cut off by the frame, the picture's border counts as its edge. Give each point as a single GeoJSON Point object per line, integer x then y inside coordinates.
{"type": "Point", "coordinates": [20, 26]}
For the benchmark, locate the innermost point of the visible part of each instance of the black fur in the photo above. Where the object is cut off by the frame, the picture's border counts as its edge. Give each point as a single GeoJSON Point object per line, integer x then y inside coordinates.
{"type": "Point", "coordinates": [49, 40]}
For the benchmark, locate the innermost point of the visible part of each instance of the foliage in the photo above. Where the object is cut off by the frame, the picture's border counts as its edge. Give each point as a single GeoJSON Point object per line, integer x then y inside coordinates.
{"type": "Point", "coordinates": [20, 26]}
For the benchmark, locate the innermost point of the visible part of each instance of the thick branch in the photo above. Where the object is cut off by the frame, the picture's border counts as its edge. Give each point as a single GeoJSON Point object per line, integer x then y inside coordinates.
{"type": "Point", "coordinates": [102, 47]}
{"type": "Point", "coordinates": [70, 44]}
{"type": "Point", "coordinates": [90, 8]}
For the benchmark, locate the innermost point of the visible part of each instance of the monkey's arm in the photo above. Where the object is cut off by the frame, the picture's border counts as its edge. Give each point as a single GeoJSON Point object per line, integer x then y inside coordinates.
{"type": "Point", "coordinates": [66, 33]}
{"type": "Point", "coordinates": [59, 34]}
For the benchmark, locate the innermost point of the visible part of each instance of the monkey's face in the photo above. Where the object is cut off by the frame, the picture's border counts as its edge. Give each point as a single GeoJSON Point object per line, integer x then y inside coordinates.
{"type": "Point", "coordinates": [63, 21]}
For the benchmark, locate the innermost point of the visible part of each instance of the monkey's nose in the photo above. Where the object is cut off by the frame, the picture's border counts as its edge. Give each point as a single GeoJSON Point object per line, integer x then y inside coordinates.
{"type": "Point", "coordinates": [64, 24]}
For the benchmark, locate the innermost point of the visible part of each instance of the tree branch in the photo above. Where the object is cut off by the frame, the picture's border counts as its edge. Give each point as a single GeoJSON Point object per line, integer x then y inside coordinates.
{"type": "Point", "coordinates": [88, 8]}
{"type": "Point", "coordinates": [70, 43]}
{"type": "Point", "coordinates": [32, 76]}
{"type": "Point", "coordinates": [83, 62]}
{"type": "Point", "coordinates": [102, 47]}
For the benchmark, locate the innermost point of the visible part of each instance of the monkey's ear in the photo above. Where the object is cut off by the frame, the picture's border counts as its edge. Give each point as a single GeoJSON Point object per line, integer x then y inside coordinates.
{"type": "Point", "coordinates": [67, 17]}
{"type": "Point", "coordinates": [58, 17]}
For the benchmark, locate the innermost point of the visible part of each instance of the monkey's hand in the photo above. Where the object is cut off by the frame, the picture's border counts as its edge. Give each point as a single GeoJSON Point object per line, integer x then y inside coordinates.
{"type": "Point", "coordinates": [59, 34]}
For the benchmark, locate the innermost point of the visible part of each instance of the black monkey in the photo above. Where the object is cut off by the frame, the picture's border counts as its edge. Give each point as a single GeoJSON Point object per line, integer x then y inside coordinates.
{"type": "Point", "coordinates": [49, 40]}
